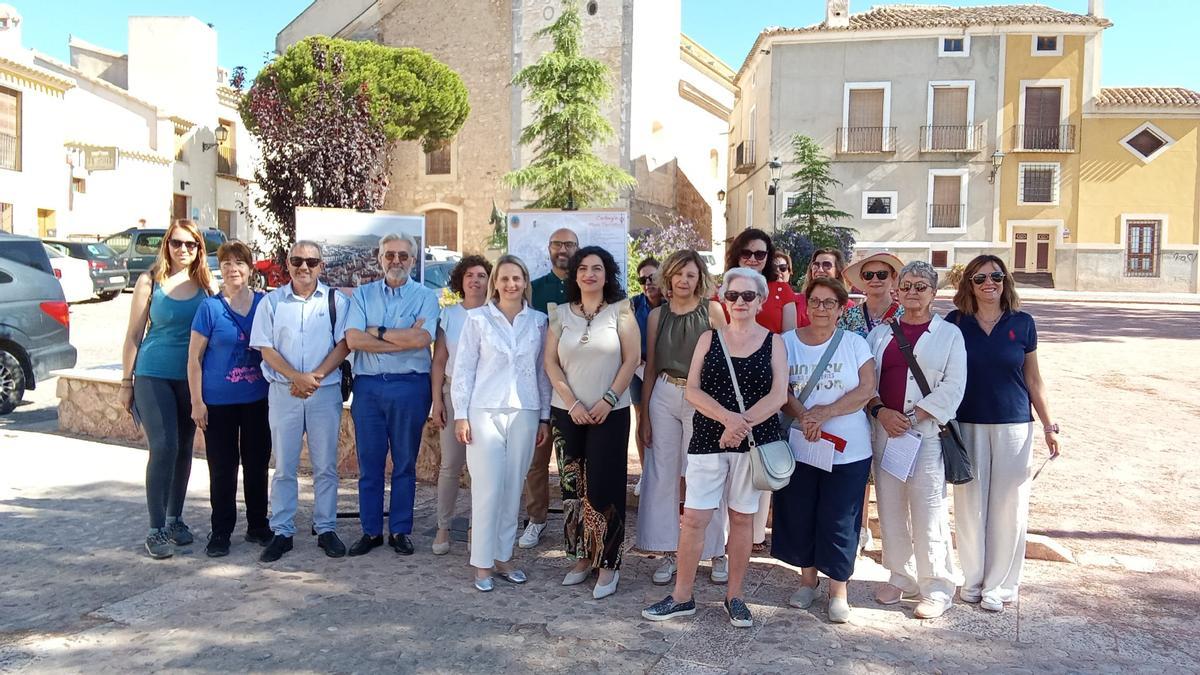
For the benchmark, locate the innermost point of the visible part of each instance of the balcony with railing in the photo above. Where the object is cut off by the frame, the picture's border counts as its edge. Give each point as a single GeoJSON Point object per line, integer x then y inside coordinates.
{"type": "Point", "coordinates": [1036, 138]}
{"type": "Point", "coordinates": [743, 157]}
{"type": "Point", "coordinates": [952, 138]}
{"type": "Point", "coordinates": [226, 161]}
{"type": "Point", "coordinates": [947, 216]}
{"type": "Point", "coordinates": [10, 152]}
{"type": "Point", "coordinates": [856, 140]}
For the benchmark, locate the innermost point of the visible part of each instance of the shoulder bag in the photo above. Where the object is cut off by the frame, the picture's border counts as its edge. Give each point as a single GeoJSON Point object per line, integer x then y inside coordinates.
{"type": "Point", "coordinates": [772, 463]}
{"type": "Point", "coordinates": [955, 458]}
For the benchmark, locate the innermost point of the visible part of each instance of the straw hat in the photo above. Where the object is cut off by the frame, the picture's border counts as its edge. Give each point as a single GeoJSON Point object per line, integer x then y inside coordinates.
{"type": "Point", "coordinates": [853, 274]}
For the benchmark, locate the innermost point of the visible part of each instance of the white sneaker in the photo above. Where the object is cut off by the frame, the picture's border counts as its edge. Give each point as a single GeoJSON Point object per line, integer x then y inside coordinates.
{"type": "Point", "coordinates": [932, 608]}
{"type": "Point", "coordinates": [720, 570]}
{"type": "Point", "coordinates": [991, 602]}
{"type": "Point", "coordinates": [662, 575]}
{"type": "Point", "coordinates": [637, 488]}
{"type": "Point", "coordinates": [532, 535]}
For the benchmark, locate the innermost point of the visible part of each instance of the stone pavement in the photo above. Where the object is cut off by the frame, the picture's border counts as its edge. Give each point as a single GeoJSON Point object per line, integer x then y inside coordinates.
{"type": "Point", "coordinates": [79, 594]}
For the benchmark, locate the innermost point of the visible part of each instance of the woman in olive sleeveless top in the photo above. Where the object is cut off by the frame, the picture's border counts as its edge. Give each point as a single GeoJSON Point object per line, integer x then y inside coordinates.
{"type": "Point", "coordinates": [665, 421]}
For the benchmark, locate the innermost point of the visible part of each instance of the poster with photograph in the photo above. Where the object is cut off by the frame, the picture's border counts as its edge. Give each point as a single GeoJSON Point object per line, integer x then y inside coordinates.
{"type": "Point", "coordinates": [529, 235]}
{"type": "Point", "coordinates": [351, 239]}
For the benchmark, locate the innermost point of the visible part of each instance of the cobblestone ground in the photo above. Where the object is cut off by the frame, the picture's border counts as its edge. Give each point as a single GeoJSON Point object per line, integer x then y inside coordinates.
{"type": "Point", "coordinates": [79, 594]}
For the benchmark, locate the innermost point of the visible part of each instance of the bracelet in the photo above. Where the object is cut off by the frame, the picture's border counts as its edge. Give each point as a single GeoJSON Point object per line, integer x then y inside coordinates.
{"type": "Point", "coordinates": [875, 410]}
{"type": "Point", "coordinates": [572, 406]}
{"type": "Point", "coordinates": [611, 398]}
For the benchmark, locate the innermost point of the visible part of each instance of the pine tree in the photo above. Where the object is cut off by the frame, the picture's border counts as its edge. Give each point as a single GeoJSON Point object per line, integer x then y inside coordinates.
{"type": "Point", "coordinates": [566, 89]}
{"type": "Point", "coordinates": [813, 217]}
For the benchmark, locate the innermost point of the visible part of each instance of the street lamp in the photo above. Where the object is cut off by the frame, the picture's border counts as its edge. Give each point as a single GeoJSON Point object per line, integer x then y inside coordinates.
{"type": "Point", "coordinates": [776, 173]}
{"type": "Point", "coordinates": [997, 160]}
{"type": "Point", "coordinates": [221, 134]}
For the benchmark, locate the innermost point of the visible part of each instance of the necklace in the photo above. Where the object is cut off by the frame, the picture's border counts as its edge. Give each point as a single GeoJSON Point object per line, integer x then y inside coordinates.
{"type": "Point", "coordinates": [587, 330]}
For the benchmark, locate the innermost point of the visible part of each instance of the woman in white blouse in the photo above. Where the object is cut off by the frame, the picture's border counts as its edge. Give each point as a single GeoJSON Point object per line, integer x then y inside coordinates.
{"type": "Point", "coordinates": [501, 402]}
{"type": "Point", "coordinates": [469, 281]}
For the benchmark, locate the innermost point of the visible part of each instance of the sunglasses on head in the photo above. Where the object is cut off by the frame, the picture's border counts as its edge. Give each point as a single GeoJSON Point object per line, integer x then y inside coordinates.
{"type": "Point", "coordinates": [918, 287]}
{"type": "Point", "coordinates": [297, 261]}
{"type": "Point", "coordinates": [876, 274]}
{"type": "Point", "coordinates": [757, 255]}
{"type": "Point", "coordinates": [648, 279]}
{"type": "Point", "coordinates": [827, 303]}
{"type": "Point", "coordinates": [401, 256]}
{"type": "Point", "coordinates": [746, 296]}
{"type": "Point", "coordinates": [822, 265]}
{"type": "Point", "coordinates": [981, 277]}
{"type": "Point", "coordinates": [182, 243]}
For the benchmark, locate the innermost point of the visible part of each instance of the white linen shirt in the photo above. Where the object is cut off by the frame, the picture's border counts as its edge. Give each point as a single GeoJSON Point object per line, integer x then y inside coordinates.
{"type": "Point", "coordinates": [942, 356]}
{"type": "Point", "coordinates": [498, 365]}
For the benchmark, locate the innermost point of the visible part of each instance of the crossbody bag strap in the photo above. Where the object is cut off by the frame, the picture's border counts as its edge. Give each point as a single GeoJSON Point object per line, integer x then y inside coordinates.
{"type": "Point", "coordinates": [737, 391]}
{"type": "Point", "coordinates": [333, 313]}
{"type": "Point", "coordinates": [822, 364]}
{"type": "Point", "coordinates": [907, 350]}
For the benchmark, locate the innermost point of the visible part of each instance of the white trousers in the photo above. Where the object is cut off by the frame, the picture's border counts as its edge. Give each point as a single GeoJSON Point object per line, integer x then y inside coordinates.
{"type": "Point", "coordinates": [914, 519]}
{"type": "Point", "coordinates": [760, 517]}
{"type": "Point", "coordinates": [498, 459]}
{"type": "Point", "coordinates": [991, 513]}
{"type": "Point", "coordinates": [665, 463]}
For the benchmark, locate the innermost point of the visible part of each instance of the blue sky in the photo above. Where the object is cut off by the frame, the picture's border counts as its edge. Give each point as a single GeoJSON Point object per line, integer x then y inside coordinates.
{"type": "Point", "coordinates": [1152, 42]}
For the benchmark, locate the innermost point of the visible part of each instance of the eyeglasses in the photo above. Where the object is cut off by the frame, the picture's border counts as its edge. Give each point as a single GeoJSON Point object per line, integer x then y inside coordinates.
{"type": "Point", "coordinates": [827, 303]}
{"type": "Point", "coordinates": [190, 245]}
{"type": "Point", "coordinates": [981, 277]}
{"type": "Point", "coordinates": [646, 280]}
{"type": "Point", "coordinates": [822, 265]}
{"type": "Point", "coordinates": [757, 255]}
{"type": "Point", "coordinates": [400, 256]}
{"type": "Point", "coordinates": [920, 288]}
{"type": "Point", "coordinates": [876, 274]}
{"type": "Point", "coordinates": [563, 245]}
{"type": "Point", "coordinates": [297, 261]}
{"type": "Point", "coordinates": [747, 296]}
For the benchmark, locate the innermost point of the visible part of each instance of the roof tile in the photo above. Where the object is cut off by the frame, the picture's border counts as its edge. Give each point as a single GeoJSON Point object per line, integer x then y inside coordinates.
{"type": "Point", "coordinates": [1165, 97]}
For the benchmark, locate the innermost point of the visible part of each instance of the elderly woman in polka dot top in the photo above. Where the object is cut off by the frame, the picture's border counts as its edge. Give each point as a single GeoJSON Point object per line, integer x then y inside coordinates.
{"type": "Point", "coordinates": [752, 249]}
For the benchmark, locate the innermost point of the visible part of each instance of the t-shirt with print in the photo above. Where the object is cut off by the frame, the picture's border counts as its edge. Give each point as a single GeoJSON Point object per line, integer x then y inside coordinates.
{"type": "Point", "coordinates": [232, 371]}
{"type": "Point", "coordinates": [839, 378]}
{"type": "Point", "coordinates": [996, 392]}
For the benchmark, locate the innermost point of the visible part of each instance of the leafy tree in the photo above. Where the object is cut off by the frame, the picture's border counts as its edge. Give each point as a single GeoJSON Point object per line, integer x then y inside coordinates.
{"type": "Point", "coordinates": [566, 89]}
{"type": "Point", "coordinates": [325, 131]}
{"type": "Point", "coordinates": [813, 217]}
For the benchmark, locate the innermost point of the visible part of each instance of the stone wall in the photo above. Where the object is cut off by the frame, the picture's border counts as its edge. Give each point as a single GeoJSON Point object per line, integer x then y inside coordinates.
{"type": "Point", "coordinates": [88, 406]}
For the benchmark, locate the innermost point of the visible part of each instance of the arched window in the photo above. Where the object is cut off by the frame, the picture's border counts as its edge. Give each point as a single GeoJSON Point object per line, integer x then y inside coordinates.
{"type": "Point", "coordinates": [441, 228]}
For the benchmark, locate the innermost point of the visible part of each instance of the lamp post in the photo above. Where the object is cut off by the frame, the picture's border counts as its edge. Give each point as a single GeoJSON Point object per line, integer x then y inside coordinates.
{"type": "Point", "coordinates": [776, 168]}
{"type": "Point", "coordinates": [997, 160]}
{"type": "Point", "coordinates": [221, 134]}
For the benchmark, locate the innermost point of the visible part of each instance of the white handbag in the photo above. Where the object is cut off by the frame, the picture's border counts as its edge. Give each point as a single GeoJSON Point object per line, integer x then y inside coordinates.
{"type": "Point", "coordinates": [771, 464]}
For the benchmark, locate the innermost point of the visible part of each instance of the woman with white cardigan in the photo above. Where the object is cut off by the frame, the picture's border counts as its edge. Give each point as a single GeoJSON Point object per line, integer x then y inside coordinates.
{"type": "Point", "coordinates": [913, 511]}
{"type": "Point", "coordinates": [501, 402]}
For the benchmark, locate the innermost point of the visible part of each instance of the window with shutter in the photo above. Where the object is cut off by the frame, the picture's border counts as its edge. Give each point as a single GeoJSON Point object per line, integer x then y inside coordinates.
{"type": "Point", "coordinates": [10, 129]}
{"type": "Point", "coordinates": [939, 259]}
{"type": "Point", "coordinates": [946, 209]}
{"type": "Point", "coordinates": [1043, 116]}
{"type": "Point", "coordinates": [441, 228]}
{"type": "Point", "coordinates": [437, 162]}
{"type": "Point", "coordinates": [950, 130]}
{"type": "Point", "coordinates": [864, 132]}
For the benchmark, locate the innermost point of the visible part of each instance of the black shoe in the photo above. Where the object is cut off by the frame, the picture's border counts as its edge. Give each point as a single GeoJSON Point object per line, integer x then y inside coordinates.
{"type": "Point", "coordinates": [259, 535]}
{"type": "Point", "coordinates": [334, 548]}
{"type": "Point", "coordinates": [364, 545]}
{"type": "Point", "coordinates": [275, 550]}
{"type": "Point", "coordinates": [401, 543]}
{"type": "Point", "coordinates": [667, 608]}
{"type": "Point", "coordinates": [739, 613]}
{"type": "Point", "coordinates": [218, 545]}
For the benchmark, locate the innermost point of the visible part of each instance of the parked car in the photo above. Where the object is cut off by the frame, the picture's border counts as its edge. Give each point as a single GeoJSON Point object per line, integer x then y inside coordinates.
{"type": "Point", "coordinates": [137, 249]}
{"type": "Point", "coordinates": [34, 319]}
{"type": "Point", "coordinates": [72, 274]}
{"type": "Point", "coordinates": [108, 274]}
{"type": "Point", "coordinates": [442, 254]}
{"type": "Point", "coordinates": [715, 267]}
{"type": "Point", "coordinates": [437, 274]}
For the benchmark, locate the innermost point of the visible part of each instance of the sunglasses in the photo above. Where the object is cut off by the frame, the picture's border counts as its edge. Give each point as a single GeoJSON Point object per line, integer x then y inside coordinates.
{"type": "Point", "coordinates": [757, 255]}
{"type": "Point", "coordinates": [827, 304]}
{"type": "Point", "coordinates": [981, 277]}
{"type": "Point", "coordinates": [190, 245]}
{"type": "Point", "coordinates": [880, 275]}
{"type": "Point", "coordinates": [297, 261]}
{"type": "Point", "coordinates": [646, 280]}
{"type": "Point", "coordinates": [747, 296]}
{"type": "Point", "coordinates": [920, 288]}
{"type": "Point", "coordinates": [401, 256]}
{"type": "Point", "coordinates": [783, 268]}
{"type": "Point", "coordinates": [823, 265]}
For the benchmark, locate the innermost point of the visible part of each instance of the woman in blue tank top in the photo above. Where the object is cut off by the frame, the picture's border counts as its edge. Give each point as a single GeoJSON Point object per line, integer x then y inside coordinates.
{"type": "Point", "coordinates": [154, 376]}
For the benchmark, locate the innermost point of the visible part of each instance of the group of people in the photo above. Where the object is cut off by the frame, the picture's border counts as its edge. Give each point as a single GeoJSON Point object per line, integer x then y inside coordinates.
{"type": "Point", "coordinates": [522, 369]}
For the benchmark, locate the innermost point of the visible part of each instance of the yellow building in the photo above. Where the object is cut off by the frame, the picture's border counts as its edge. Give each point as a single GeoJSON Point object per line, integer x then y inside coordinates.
{"type": "Point", "coordinates": [1098, 187]}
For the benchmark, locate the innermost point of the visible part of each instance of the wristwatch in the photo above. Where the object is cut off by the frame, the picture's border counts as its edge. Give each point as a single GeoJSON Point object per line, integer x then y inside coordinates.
{"type": "Point", "coordinates": [1051, 429]}
{"type": "Point", "coordinates": [379, 332]}
{"type": "Point", "coordinates": [875, 410]}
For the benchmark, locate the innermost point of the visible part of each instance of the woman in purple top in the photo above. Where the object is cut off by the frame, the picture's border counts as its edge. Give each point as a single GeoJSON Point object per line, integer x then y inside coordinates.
{"type": "Point", "coordinates": [229, 401]}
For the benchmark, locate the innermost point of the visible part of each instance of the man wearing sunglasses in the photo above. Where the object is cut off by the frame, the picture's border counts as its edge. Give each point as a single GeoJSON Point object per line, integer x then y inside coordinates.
{"type": "Point", "coordinates": [551, 287]}
{"type": "Point", "coordinates": [390, 326]}
{"type": "Point", "coordinates": [303, 347]}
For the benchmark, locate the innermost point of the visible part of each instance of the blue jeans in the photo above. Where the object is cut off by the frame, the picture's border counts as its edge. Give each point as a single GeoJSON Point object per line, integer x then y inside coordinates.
{"type": "Point", "coordinates": [319, 416]}
{"type": "Point", "coordinates": [389, 412]}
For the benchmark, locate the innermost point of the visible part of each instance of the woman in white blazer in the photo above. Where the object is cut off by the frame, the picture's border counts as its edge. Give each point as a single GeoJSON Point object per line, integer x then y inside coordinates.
{"type": "Point", "coordinates": [501, 398]}
{"type": "Point", "coordinates": [913, 512]}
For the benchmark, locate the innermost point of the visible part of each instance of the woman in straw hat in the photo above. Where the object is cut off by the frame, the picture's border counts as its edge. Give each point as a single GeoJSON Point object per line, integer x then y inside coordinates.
{"type": "Point", "coordinates": [876, 275]}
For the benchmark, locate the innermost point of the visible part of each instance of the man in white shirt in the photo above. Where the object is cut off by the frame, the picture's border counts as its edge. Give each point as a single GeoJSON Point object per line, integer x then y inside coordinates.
{"type": "Point", "coordinates": [299, 332]}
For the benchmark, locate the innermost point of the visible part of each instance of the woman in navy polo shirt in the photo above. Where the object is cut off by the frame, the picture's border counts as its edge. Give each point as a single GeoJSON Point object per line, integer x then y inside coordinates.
{"type": "Point", "coordinates": [1003, 384]}
{"type": "Point", "coordinates": [229, 401]}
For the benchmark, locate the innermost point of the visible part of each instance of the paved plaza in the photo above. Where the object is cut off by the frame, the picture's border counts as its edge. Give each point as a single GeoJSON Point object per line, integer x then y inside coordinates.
{"type": "Point", "coordinates": [79, 594]}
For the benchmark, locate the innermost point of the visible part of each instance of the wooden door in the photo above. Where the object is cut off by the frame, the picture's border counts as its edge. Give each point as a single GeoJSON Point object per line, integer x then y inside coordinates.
{"type": "Point", "coordinates": [1043, 114]}
{"type": "Point", "coordinates": [1020, 247]}
{"type": "Point", "coordinates": [179, 208]}
{"type": "Point", "coordinates": [225, 222]}
{"type": "Point", "coordinates": [46, 227]}
{"type": "Point", "coordinates": [441, 228]}
{"type": "Point", "coordinates": [1043, 252]}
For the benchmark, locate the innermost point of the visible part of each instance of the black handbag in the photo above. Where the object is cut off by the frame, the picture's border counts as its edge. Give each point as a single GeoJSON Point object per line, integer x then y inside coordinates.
{"type": "Point", "coordinates": [955, 459]}
{"type": "Point", "coordinates": [345, 368]}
